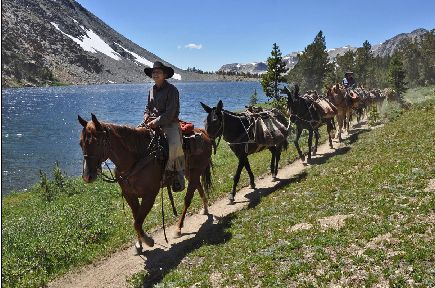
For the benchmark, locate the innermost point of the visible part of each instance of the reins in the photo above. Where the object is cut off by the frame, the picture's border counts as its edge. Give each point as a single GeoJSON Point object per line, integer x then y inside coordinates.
{"type": "Point", "coordinates": [152, 151]}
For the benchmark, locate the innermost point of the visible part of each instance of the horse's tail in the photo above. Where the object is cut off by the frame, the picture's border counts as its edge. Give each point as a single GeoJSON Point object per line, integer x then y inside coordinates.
{"type": "Point", "coordinates": [206, 179]}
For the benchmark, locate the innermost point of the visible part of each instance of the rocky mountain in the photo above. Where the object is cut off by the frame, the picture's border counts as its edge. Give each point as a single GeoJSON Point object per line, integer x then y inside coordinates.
{"type": "Point", "coordinates": [386, 48]}
{"type": "Point", "coordinates": [389, 46]}
{"type": "Point", "coordinates": [45, 42]}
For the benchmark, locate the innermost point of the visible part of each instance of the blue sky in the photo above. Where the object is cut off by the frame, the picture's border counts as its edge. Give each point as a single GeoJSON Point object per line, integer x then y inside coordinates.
{"type": "Point", "coordinates": [228, 31]}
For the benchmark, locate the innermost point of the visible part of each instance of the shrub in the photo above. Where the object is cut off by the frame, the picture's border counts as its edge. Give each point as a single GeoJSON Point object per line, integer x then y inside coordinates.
{"type": "Point", "coordinates": [392, 110]}
{"type": "Point", "coordinates": [46, 190]}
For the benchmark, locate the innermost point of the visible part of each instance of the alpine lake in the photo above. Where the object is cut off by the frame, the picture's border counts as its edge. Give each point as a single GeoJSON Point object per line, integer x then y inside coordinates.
{"type": "Point", "coordinates": [40, 127]}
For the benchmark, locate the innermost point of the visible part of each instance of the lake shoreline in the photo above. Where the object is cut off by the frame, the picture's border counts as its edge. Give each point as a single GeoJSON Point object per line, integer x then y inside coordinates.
{"type": "Point", "coordinates": [40, 124]}
{"type": "Point", "coordinates": [219, 78]}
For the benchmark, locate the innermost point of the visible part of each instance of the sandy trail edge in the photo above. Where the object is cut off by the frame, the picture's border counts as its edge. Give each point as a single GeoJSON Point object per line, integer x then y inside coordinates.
{"type": "Point", "coordinates": [115, 269]}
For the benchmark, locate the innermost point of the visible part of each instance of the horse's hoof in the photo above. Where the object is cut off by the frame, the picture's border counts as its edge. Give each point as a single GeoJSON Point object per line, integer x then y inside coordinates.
{"type": "Point", "coordinates": [148, 240]}
{"type": "Point", "coordinates": [252, 185]}
{"type": "Point", "coordinates": [177, 233]}
{"type": "Point", "coordinates": [204, 211]}
{"type": "Point", "coordinates": [230, 200]}
{"type": "Point", "coordinates": [138, 247]}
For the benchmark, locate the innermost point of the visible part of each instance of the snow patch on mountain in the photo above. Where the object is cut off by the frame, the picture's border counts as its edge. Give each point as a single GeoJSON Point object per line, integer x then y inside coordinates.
{"type": "Point", "coordinates": [91, 42]}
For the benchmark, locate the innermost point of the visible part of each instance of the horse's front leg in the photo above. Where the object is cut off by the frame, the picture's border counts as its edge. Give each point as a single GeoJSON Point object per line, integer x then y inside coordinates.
{"type": "Point", "coordinates": [204, 210]}
{"type": "Point", "coordinates": [273, 151]}
{"type": "Point", "coordinates": [133, 202]}
{"type": "Point", "coordinates": [296, 142]}
{"type": "Point", "coordinates": [277, 158]}
{"type": "Point", "coordinates": [316, 141]}
{"type": "Point", "coordinates": [236, 179]}
{"type": "Point", "coordinates": [330, 127]}
{"type": "Point", "coordinates": [349, 122]}
{"type": "Point", "coordinates": [251, 175]}
{"type": "Point", "coordinates": [310, 142]}
{"type": "Point", "coordinates": [145, 207]}
{"type": "Point", "coordinates": [194, 182]}
{"type": "Point", "coordinates": [340, 120]}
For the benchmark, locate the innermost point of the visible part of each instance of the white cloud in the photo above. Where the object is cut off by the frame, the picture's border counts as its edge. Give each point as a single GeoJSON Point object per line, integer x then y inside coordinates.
{"type": "Point", "coordinates": [193, 46]}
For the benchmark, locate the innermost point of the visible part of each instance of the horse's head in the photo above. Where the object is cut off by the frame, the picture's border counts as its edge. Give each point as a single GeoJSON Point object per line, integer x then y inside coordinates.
{"type": "Point", "coordinates": [214, 122]}
{"type": "Point", "coordinates": [94, 140]}
{"type": "Point", "coordinates": [292, 93]}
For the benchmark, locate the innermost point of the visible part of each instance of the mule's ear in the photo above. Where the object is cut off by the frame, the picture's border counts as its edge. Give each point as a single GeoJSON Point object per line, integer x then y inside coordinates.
{"type": "Point", "coordinates": [286, 90]}
{"type": "Point", "coordinates": [220, 105]}
{"type": "Point", "coordinates": [82, 121]}
{"type": "Point", "coordinates": [96, 122]}
{"type": "Point", "coordinates": [296, 90]}
{"type": "Point", "coordinates": [205, 107]}
{"type": "Point", "coordinates": [337, 86]}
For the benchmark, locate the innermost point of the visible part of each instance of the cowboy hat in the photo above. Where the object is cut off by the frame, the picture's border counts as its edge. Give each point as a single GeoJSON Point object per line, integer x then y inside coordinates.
{"type": "Point", "coordinates": [159, 65]}
{"type": "Point", "coordinates": [348, 73]}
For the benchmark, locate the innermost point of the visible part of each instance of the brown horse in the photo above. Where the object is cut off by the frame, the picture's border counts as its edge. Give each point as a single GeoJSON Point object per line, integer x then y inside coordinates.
{"type": "Point", "coordinates": [345, 100]}
{"type": "Point", "coordinates": [126, 147]}
{"type": "Point", "coordinates": [337, 96]}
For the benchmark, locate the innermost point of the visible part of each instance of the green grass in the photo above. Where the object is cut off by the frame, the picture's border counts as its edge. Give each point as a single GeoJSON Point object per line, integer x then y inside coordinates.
{"type": "Point", "coordinates": [388, 238]}
{"type": "Point", "coordinates": [55, 227]}
{"type": "Point", "coordinates": [420, 94]}
{"type": "Point", "coordinates": [46, 234]}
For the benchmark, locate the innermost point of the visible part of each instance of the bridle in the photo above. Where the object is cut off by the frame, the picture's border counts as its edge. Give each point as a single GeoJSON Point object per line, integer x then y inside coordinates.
{"type": "Point", "coordinates": [218, 134]}
{"type": "Point", "coordinates": [106, 149]}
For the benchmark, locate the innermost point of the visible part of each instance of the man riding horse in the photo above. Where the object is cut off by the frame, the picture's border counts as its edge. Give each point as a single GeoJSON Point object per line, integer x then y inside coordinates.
{"type": "Point", "coordinates": [162, 110]}
{"type": "Point", "coordinates": [348, 80]}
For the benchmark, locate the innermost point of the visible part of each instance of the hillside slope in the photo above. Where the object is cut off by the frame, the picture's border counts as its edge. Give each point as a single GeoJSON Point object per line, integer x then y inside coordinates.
{"type": "Point", "coordinates": [45, 42]}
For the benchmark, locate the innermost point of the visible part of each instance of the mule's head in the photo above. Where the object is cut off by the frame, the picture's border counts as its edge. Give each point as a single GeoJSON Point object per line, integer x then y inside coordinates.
{"type": "Point", "coordinates": [214, 122]}
{"type": "Point", "coordinates": [94, 141]}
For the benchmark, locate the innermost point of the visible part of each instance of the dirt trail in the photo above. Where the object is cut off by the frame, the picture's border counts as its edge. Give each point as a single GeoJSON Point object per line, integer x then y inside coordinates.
{"type": "Point", "coordinates": [114, 270]}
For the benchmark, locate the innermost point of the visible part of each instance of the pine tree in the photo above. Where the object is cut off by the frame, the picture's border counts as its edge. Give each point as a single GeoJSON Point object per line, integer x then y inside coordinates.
{"type": "Point", "coordinates": [276, 68]}
{"type": "Point", "coordinates": [254, 98]}
{"type": "Point", "coordinates": [396, 74]}
{"type": "Point", "coordinates": [345, 62]}
{"type": "Point", "coordinates": [427, 69]}
{"type": "Point", "coordinates": [363, 63]}
{"type": "Point", "coordinates": [313, 65]}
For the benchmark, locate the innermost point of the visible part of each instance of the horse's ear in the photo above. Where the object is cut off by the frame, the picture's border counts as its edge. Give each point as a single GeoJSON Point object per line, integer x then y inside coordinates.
{"type": "Point", "coordinates": [220, 105]}
{"type": "Point", "coordinates": [205, 107]}
{"type": "Point", "coordinates": [286, 90]}
{"type": "Point", "coordinates": [337, 86]}
{"type": "Point", "coordinates": [82, 121]}
{"type": "Point", "coordinates": [96, 122]}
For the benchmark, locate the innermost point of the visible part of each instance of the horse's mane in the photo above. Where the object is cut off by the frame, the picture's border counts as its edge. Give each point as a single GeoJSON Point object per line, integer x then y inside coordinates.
{"type": "Point", "coordinates": [136, 140]}
{"type": "Point", "coordinates": [233, 113]}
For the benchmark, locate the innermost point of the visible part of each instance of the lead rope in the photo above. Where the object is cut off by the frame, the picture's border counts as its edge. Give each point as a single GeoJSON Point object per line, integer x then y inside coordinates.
{"type": "Point", "coordinates": [163, 216]}
{"type": "Point", "coordinates": [158, 143]}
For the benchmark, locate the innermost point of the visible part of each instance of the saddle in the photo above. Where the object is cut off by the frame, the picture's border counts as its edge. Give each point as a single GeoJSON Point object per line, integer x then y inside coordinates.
{"type": "Point", "coordinates": [326, 108]}
{"type": "Point", "coordinates": [269, 127]}
{"type": "Point", "coordinates": [193, 142]}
